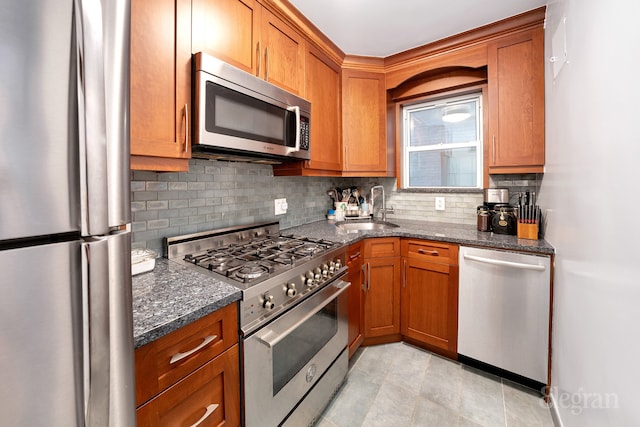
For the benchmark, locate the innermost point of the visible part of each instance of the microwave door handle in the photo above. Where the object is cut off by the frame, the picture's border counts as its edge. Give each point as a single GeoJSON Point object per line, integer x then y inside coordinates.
{"type": "Point", "coordinates": [296, 110]}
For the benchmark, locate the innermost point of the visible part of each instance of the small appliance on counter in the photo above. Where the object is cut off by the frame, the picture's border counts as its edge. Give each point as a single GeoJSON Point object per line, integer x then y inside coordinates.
{"type": "Point", "coordinates": [496, 196]}
{"type": "Point", "coordinates": [495, 214]}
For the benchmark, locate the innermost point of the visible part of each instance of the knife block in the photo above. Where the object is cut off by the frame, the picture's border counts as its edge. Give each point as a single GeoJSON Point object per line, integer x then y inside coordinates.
{"type": "Point", "coordinates": [527, 231]}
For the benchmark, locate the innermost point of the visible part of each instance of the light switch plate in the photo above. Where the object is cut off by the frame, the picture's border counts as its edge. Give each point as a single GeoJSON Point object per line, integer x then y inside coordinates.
{"type": "Point", "coordinates": [280, 206]}
{"type": "Point", "coordinates": [439, 203]}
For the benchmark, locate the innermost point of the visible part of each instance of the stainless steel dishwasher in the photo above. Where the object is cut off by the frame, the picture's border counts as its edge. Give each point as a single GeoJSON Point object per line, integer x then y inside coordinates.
{"type": "Point", "coordinates": [503, 310]}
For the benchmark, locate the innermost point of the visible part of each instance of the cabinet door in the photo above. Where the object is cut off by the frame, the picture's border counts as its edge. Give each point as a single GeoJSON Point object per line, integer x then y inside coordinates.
{"type": "Point", "coordinates": [283, 54]}
{"type": "Point", "coordinates": [208, 397]}
{"type": "Point", "coordinates": [323, 90]}
{"type": "Point", "coordinates": [160, 84]}
{"type": "Point", "coordinates": [430, 304]}
{"type": "Point", "coordinates": [516, 103]}
{"type": "Point", "coordinates": [229, 30]}
{"type": "Point", "coordinates": [354, 261]}
{"type": "Point", "coordinates": [382, 297]}
{"type": "Point", "coordinates": [363, 121]}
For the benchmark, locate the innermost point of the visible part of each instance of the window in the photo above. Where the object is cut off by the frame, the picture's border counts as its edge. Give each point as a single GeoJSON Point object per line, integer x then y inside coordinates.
{"type": "Point", "coordinates": [442, 143]}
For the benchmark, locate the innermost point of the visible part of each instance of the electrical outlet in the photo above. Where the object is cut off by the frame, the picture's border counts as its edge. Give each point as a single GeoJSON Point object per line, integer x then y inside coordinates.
{"type": "Point", "coordinates": [280, 206]}
{"type": "Point", "coordinates": [439, 203]}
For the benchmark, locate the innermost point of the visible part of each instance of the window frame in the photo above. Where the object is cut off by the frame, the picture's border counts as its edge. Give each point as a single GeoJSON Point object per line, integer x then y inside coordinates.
{"type": "Point", "coordinates": [449, 98]}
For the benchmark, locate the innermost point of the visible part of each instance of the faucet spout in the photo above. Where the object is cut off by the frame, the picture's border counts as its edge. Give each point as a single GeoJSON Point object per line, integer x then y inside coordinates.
{"type": "Point", "coordinates": [383, 210]}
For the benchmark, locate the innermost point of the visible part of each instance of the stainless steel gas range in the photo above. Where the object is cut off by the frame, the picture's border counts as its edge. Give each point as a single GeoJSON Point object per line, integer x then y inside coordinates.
{"type": "Point", "coordinates": [293, 315]}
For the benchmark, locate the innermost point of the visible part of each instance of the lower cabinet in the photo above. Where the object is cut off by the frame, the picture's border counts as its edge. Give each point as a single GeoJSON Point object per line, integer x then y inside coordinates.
{"type": "Point", "coordinates": [429, 296]}
{"type": "Point", "coordinates": [191, 376]}
{"type": "Point", "coordinates": [409, 292]}
{"type": "Point", "coordinates": [210, 396]}
{"type": "Point", "coordinates": [382, 290]}
{"type": "Point", "coordinates": [356, 327]}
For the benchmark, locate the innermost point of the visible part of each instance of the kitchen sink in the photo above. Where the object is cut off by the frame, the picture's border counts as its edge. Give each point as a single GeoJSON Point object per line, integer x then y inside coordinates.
{"type": "Point", "coordinates": [356, 226]}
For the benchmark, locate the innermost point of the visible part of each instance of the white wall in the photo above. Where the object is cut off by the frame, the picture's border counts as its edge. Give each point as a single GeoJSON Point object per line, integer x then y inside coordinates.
{"type": "Point", "coordinates": [591, 190]}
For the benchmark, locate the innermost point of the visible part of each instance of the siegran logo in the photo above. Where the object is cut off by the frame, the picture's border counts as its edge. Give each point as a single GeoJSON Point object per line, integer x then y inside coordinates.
{"type": "Point", "coordinates": [580, 400]}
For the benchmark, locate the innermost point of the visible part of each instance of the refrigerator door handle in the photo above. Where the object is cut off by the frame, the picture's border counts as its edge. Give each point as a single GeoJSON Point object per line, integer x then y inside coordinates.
{"type": "Point", "coordinates": [92, 133]}
{"type": "Point", "coordinates": [109, 366]}
{"type": "Point", "coordinates": [95, 286]}
{"type": "Point", "coordinates": [117, 23]}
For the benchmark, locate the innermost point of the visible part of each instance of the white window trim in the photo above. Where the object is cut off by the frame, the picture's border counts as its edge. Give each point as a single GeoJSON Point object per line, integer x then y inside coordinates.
{"type": "Point", "coordinates": [436, 103]}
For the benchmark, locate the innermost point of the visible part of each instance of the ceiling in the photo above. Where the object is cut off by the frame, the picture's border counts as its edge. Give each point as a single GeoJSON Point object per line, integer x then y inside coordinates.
{"type": "Point", "coordinates": [383, 27]}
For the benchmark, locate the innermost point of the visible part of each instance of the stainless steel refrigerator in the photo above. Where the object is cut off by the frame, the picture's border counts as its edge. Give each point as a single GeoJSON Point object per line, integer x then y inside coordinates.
{"type": "Point", "coordinates": [66, 345]}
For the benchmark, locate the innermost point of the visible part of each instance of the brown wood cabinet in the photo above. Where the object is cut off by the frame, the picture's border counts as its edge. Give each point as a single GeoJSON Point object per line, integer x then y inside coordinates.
{"type": "Point", "coordinates": [160, 78]}
{"type": "Point", "coordinates": [382, 290]}
{"type": "Point", "coordinates": [210, 395]}
{"type": "Point", "coordinates": [429, 308]}
{"type": "Point", "coordinates": [354, 261]}
{"type": "Point", "coordinates": [516, 103]}
{"type": "Point", "coordinates": [250, 37]}
{"type": "Point", "coordinates": [364, 123]}
{"type": "Point", "coordinates": [229, 30]}
{"type": "Point", "coordinates": [322, 88]}
{"type": "Point", "coordinates": [283, 54]}
{"type": "Point", "coordinates": [183, 373]}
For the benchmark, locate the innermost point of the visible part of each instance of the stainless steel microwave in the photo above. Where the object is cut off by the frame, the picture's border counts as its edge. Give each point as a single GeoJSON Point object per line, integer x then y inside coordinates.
{"type": "Point", "coordinates": [240, 117]}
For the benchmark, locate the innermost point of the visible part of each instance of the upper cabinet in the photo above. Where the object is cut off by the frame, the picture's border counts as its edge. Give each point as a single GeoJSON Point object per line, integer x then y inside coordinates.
{"type": "Point", "coordinates": [283, 54]}
{"type": "Point", "coordinates": [516, 103]}
{"type": "Point", "coordinates": [229, 30]}
{"type": "Point", "coordinates": [160, 85]}
{"type": "Point", "coordinates": [323, 90]}
{"type": "Point", "coordinates": [363, 123]}
{"type": "Point", "coordinates": [250, 37]}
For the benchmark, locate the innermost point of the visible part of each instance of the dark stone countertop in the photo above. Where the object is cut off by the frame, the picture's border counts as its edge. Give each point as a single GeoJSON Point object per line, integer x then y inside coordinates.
{"type": "Point", "coordinates": [439, 231]}
{"type": "Point", "coordinates": [172, 296]}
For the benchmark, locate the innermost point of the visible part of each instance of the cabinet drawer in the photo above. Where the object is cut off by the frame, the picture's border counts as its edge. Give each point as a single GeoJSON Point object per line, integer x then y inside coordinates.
{"type": "Point", "coordinates": [382, 247]}
{"type": "Point", "coordinates": [430, 251]}
{"type": "Point", "coordinates": [163, 362]}
{"type": "Point", "coordinates": [210, 396]}
{"type": "Point", "coordinates": [354, 253]}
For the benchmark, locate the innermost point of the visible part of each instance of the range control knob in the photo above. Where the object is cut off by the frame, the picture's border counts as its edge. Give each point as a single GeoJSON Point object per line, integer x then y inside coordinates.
{"type": "Point", "coordinates": [291, 291]}
{"type": "Point", "coordinates": [325, 270]}
{"type": "Point", "coordinates": [268, 303]}
{"type": "Point", "coordinates": [338, 264]}
{"type": "Point", "coordinates": [332, 266]}
{"type": "Point", "coordinates": [317, 273]}
{"type": "Point", "coordinates": [310, 279]}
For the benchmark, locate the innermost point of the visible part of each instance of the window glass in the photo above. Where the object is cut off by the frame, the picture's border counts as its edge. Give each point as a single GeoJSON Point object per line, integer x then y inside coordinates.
{"type": "Point", "coordinates": [442, 143]}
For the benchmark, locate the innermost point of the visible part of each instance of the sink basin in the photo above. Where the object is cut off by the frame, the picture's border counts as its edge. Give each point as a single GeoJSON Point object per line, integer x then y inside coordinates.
{"type": "Point", "coordinates": [364, 225]}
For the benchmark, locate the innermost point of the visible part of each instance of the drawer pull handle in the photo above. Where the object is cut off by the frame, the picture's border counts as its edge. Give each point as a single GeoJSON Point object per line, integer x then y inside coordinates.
{"type": "Point", "coordinates": [354, 256]}
{"type": "Point", "coordinates": [179, 356]}
{"type": "Point", "coordinates": [210, 410]}
{"type": "Point", "coordinates": [424, 252]}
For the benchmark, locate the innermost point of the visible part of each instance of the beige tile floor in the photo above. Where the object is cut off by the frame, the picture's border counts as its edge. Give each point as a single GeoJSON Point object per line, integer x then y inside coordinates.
{"type": "Point", "coordinates": [400, 385]}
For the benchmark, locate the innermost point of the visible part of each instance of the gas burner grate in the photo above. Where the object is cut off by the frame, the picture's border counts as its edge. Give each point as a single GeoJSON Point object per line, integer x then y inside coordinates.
{"type": "Point", "coordinates": [252, 270]}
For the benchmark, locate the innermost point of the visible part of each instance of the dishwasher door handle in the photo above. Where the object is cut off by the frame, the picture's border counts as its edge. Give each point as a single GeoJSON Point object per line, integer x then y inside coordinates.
{"type": "Point", "coordinates": [511, 264]}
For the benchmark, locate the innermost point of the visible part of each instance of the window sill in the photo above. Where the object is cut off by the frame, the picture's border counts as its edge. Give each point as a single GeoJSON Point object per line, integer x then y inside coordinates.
{"type": "Point", "coordinates": [441, 190]}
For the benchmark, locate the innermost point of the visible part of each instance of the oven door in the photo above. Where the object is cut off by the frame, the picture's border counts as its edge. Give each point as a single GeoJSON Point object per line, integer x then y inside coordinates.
{"type": "Point", "coordinates": [283, 360]}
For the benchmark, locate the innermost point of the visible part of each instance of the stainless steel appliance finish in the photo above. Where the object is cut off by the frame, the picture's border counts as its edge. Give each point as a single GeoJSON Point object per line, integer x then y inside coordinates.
{"type": "Point", "coordinates": [238, 116]}
{"type": "Point", "coordinates": [293, 313]}
{"type": "Point", "coordinates": [496, 195]}
{"type": "Point", "coordinates": [284, 360]}
{"type": "Point", "coordinates": [503, 311]}
{"type": "Point", "coordinates": [64, 213]}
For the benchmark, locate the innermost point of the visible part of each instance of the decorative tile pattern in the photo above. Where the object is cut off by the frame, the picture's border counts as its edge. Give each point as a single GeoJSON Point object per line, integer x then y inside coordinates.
{"type": "Point", "coordinates": [216, 194]}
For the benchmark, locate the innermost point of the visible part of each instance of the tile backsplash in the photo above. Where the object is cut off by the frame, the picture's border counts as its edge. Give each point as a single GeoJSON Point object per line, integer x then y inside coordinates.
{"type": "Point", "coordinates": [216, 194]}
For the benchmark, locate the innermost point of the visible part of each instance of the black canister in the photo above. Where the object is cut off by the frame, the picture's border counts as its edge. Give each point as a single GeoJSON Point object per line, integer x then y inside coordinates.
{"type": "Point", "coordinates": [483, 218]}
{"type": "Point", "coordinates": [503, 220]}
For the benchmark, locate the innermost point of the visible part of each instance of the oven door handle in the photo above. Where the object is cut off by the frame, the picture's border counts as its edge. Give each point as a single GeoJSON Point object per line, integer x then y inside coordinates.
{"type": "Point", "coordinates": [265, 337]}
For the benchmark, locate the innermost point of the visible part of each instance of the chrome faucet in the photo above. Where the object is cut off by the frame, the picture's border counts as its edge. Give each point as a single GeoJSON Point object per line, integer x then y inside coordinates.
{"type": "Point", "coordinates": [383, 210]}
